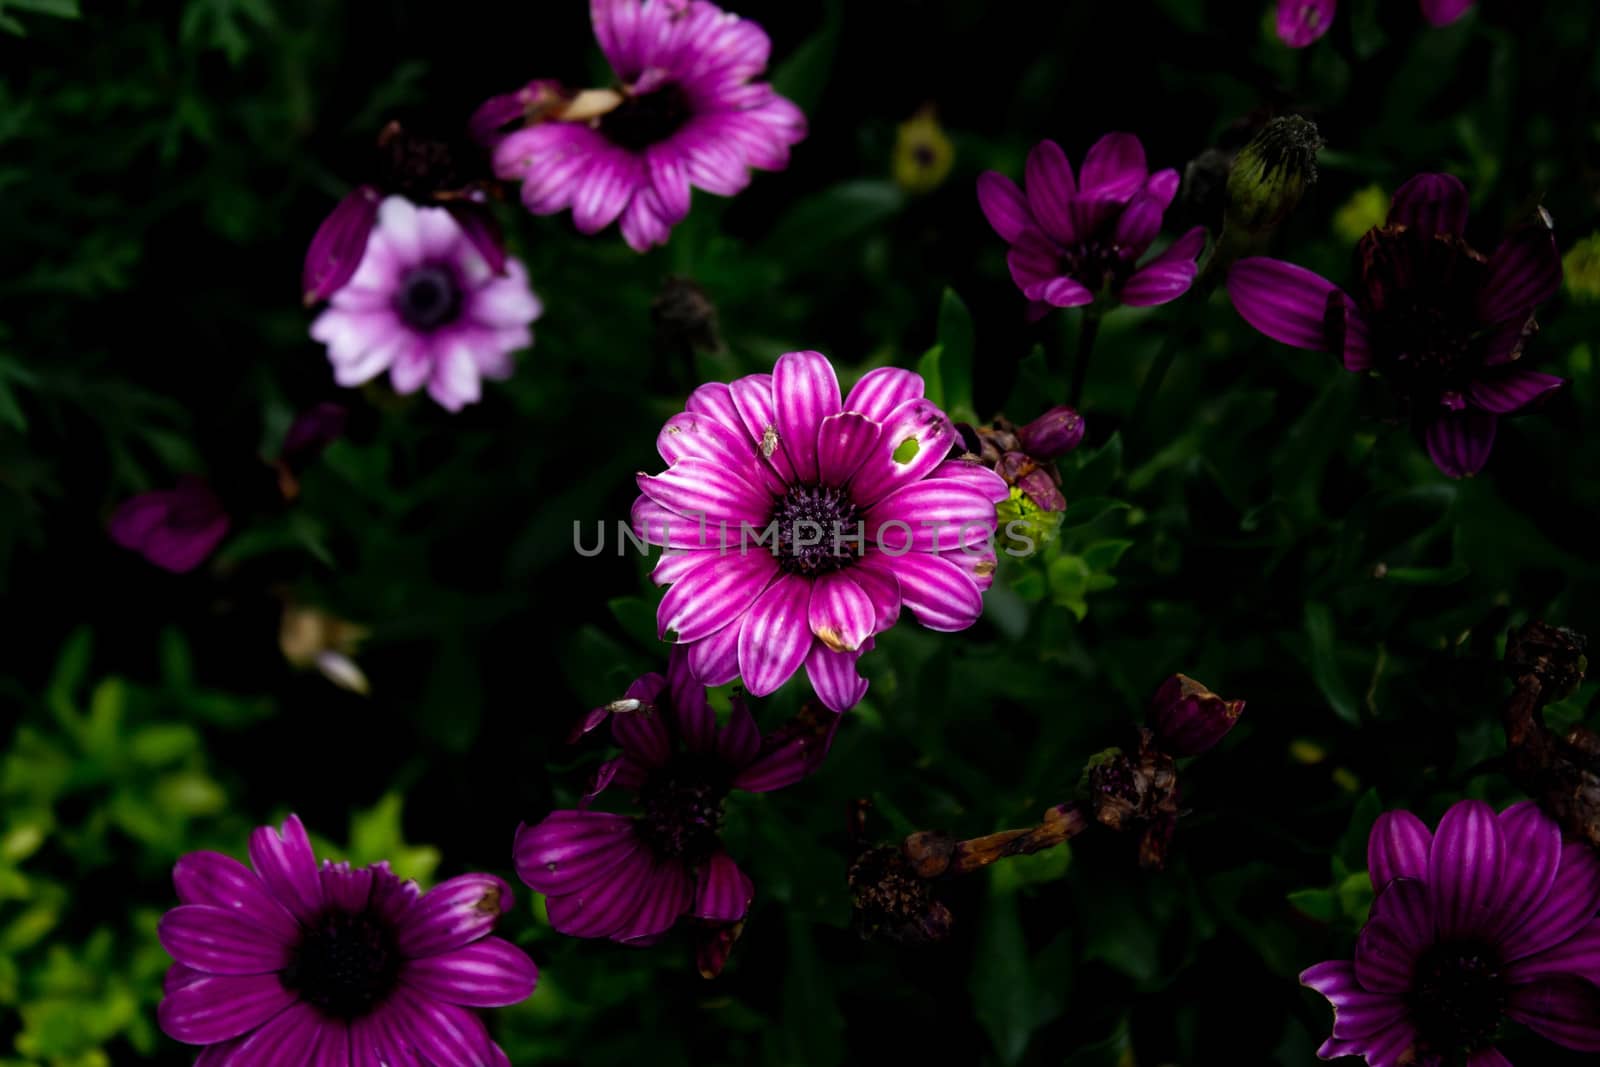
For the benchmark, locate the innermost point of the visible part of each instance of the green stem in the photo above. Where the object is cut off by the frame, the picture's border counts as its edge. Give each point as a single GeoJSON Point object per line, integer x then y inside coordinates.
{"type": "Point", "coordinates": [1152, 381]}
{"type": "Point", "coordinates": [1088, 330]}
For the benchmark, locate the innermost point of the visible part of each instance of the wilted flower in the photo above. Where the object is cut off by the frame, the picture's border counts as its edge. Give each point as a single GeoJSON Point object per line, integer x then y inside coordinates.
{"type": "Point", "coordinates": [1271, 173]}
{"type": "Point", "coordinates": [923, 154]}
{"type": "Point", "coordinates": [1581, 266]}
{"type": "Point", "coordinates": [687, 112]}
{"type": "Point", "coordinates": [1440, 321]}
{"type": "Point", "coordinates": [1300, 22]}
{"type": "Point", "coordinates": [1188, 718]}
{"type": "Point", "coordinates": [797, 524]}
{"type": "Point", "coordinates": [631, 877]}
{"type": "Point", "coordinates": [889, 899]}
{"type": "Point", "coordinates": [1137, 791]}
{"type": "Point", "coordinates": [1078, 239]}
{"type": "Point", "coordinates": [310, 637]}
{"type": "Point", "coordinates": [292, 963]}
{"type": "Point", "coordinates": [426, 307]}
{"type": "Point", "coordinates": [176, 529]}
{"type": "Point", "coordinates": [1490, 919]}
{"type": "Point", "coordinates": [1546, 664]}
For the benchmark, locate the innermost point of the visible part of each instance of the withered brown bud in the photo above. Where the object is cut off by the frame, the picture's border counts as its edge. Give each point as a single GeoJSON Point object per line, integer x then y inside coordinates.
{"type": "Point", "coordinates": [1553, 655]}
{"type": "Point", "coordinates": [1135, 791]}
{"type": "Point", "coordinates": [891, 901]}
{"type": "Point", "coordinates": [713, 944]}
{"type": "Point", "coordinates": [684, 318]}
{"type": "Point", "coordinates": [1547, 663]}
{"type": "Point", "coordinates": [417, 167]}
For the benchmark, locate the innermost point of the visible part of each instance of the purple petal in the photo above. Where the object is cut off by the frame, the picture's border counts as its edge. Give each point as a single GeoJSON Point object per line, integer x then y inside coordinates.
{"type": "Point", "coordinates": [287, 865]}
{"type": "Point", "coordinates": [1577, 955]}
{"type": "Point", "coordinates": [1300, 22]}
{"type": "Point", "coordinates": [1488, 1057]}
{"type": "Point", "coordinates": [1114, 167]}
{"type": "Point", "coordinates": [939, 592]}
{"type": "Point", "coordinates": [444, 1033]}
{"type": "Point", "coordinates": [1386, 958]}
{"type": "Point", "coordinates": [454, 912]}
{"type": "Point", "coordinates": [300, 1036]}
{"type": "Point", "coordinates": [607, 904]}
{"type": "Point", "coordinates": [1050, 188]}
{"type": "Point", "coordinates": [216, 1007]}
{"type": "Point", "coordinates": [1523, 272]}
{"type": "Point", "coordinates": [1431, 203]}
{"type": "Point", "coordinates": [137, 518]}
{"type": "Point", "coordinates": [1460, 444]}
{"type": "Point", "coordinates": [714, 660]}
{"type": "Point", "coordinates": [752, 395]}
{"type": "Point", "coordinates": [1168, 275]}
{"type": "Point", "coordinates": [1565, 1011]}
{"type": "Point", "coordinates": [481, 231]}
{"type": "Point", "coordinates": [916, 427]}
{"type": "Point", "coordinates": [739, 740]}
{"type": "Point", "coordinates": [714, 594]}
{"type": "Point", "coordinates": [617, 28]}
{"type": "Point", "coordinates": [1398, 847]}
{"type": "Point", "coordinates": [1406, 908]}
{"type": "Point", "coordinates": [642, 735]}
{"type": "Point", "coordinates": [346, 888]}
{"type": "Point", "coordinates": [1573, 900]}
{"type": "Point", "coordinates": [221, 941]}
{"type": "Point", "coordinates": [929, 516]}
{"type": "Point", "coordinates": [669, 177]}
{"type": "Point", "coordinates": [1356, 1011]}
{"type": "Point", "coordinates": [1292, 305]}
{"type": "Point", "coordinates": [1034, 261]}
{"type": "Point", "coordinates": [1505, 389]}
{"type": "Point", "coordinates": [1065, 293]}
{"type": "Point", "coordinates": [883, 389]}
{"type": "Point", "coordinates": [223, 882]}
{"type": "Point", "coordinates": [698, 487]}
{"type": "Point", "coordinates": [974, 475]}
{"type": "Point", "coordinates": [806, 391]}
{"type": "Point", "coordinates": [841, 614]}
{"type": "Point", "coordinates": [605, 189]}
{"type": "Point", "coordinates": [644, 223]}
{"type": "Point", "coordinates": [338, 245]}
{"type": "Point", "coordinates": [1140, 221]}
{"type": "Point", "coordinates": [691, 711]}
{"type": "Point", "coordinates": [570, 850]}
{"type": "Point", "coordinates": [491, 973]}
{"type": "Point", "coordinates": [669, 896]}
{"type": "Point", "coordinates": [690, 534]}
{"type": "Point", "coordinates": [1533, 856]}
{"type": "Point", "coordinates": [723, 892]}
{"type": "Point", "coordinates": [1444, 12]}
{"type": "Point", "coordinates": [834, 677]}
{"type": "Point", "coordinates": [843, 442]}
{"type": "Point", "coordinates": [715, 399]}
{"type": "Point", "coordinates": [1003, 205]}
{"type": "Point", "coordinates": [691, 435]}
{"type": "Point", "coordinates": [776, 635]}
{"type": "Point", "coordinates": [1465, 866]}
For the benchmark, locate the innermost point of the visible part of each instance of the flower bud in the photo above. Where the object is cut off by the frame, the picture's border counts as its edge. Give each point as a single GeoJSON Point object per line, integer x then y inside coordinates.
{"type": "Point", "coordinates": [338, 245]}
{"type": "Point", "coordinates": [312, 431]}
{"type": "Point", "coordinates": [1188, 718]}
{"type": "Point", "coordinates": [922, 153]}
{"type": "Point", "coordinates": [1023, 524]}
{"type": "Point", "coordinates": [1581, 269]}
{"type": "Point", "coordinates": [1271, 173]}
{"type": "Point", "coordinates": [176, 529]}
{"type": "Point", "coordinates": [1053, 434]}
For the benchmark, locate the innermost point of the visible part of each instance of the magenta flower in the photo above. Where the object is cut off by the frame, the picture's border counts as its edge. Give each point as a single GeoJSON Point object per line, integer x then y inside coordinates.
{"type": "Point", "coordinates": [1490, 919]}
{"type": "Point", "coordinates": [424, 306]}
{"type": "Point", "coordinates": [1075, 240]}
{"type": "Point", "coordinates": [1441, 322]}
{"type": "Point", "coordinates": [688, 113]}
{"type": "Point", "coordinates": [631, 877]}
{"type": "Point", "coordinates": [290, 963]}
{"type": "Point", "coordinates": [176, 529]}
{"type": "Point", "coordinates": [796, 524]}
{"type": "Point", "coordinates": [1300, 22]}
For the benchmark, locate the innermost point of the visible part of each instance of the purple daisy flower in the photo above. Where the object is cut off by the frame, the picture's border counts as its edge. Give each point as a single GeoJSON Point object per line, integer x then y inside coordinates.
{"type": "Point", "coordinates": [1300, 22]}
{"type": "Point", "coordinates": [796, 524]}
{"type": "Point", "coordinates": [687, 113]}
{"type": "Point", "coordinates": [1445, 324]}
{"type": "Point", "coordinates": [291, 963]}
{"type": "Point", "coordinates": [1491, 918]}
{"type": "Point", "coordinates": [631, 877]}
{"type": "Point", "coordinates": [1077, 239]}
{"type": "Point", "coordinates": [425, 306]}
{"type": "Point", "coordinates": [176, 529]}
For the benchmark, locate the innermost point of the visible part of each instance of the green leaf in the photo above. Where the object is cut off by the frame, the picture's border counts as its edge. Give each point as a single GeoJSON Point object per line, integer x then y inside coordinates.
{"type": "Point", "coordinates": [1007, 997]}
{"type": "Point", "coordinates": [957, 345]}
{"type": "Point", "coordinates": [1097, 470]}
{"type": "Point", "coordinates": [1325, 664]}
{"type": "Point", "coordinates": [929, 367]}
{"type": "Point", "coordinates": [375, 834]}
{"type": "Point", "coordinates": [1320, 904]}
{"type": "Point", "coordinates": [1103, 555]}
{"type": "Point", "coordinates": [1447, 575]}
{"type": "Point", "coordinates": [809, 233]}
{"type": "Point", "coordinates": [804, 73]}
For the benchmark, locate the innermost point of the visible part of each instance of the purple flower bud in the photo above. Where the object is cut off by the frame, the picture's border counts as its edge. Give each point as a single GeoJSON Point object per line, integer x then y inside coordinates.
{"type": "Point", "coordinates": [339, 244]}
{"type": "Point", "coordinates": [176, 529]}
{"type": "Point", "coordinates": [1188, 718]}
{"type": "Point", "coordinates": [1053, 434]}
{"type": "Point", "coordinates": [1041, 489]}
{"type": "Point", "coordinates": [490, 122]}
{"type": "Point", "coordinates": [312, 431]}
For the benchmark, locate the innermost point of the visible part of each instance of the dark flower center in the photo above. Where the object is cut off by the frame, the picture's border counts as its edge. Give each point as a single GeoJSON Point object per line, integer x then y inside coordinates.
{"type": "Point", "coordinates": [428, 297]}
{"type": "Point", "coordinates": [817, 530]}
{"type": "Point", "coordinates": [1419, 293]}
{"type": "Point", "coordinates": [1458, 997]}
{"type": "Point", "coordinates": [644, 119]}
{"type": "Point", "coordinates": [1093, 263]}
{"type": "Point", "coordinates": [682, 804]}
{"type": "Point", "coordinates": [347, 963]}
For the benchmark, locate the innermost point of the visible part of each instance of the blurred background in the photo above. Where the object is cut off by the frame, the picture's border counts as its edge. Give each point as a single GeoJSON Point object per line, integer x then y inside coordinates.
{"type": "Point", "coordinates": [1263, 524]}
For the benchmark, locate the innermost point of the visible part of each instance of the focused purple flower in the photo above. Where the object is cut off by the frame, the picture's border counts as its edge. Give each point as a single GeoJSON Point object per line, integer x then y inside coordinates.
{"type": "Point", "coordinates": [425, 306]}
{"type": "Point", "coordinates": [176, 529]}
{"type": "Point", "coordinates": [1490, 919]}
{"type": "Point", "coordinates": [1301, 22]}
{"type": "Point", "coordinates": [631, 877]}
{"type": "Point", "coordinates": [292, 963]}
{"type": "Point", "coordinates": [688, 112]}
{"type": "Point", "coordinates": [797, 524]}
{"type": "Point", "coordinates": [1053, 434]}
{"type": "Point", "coordinates": [1078, 239]}
{"type": "Point", "coordinates": [1443, 323]}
